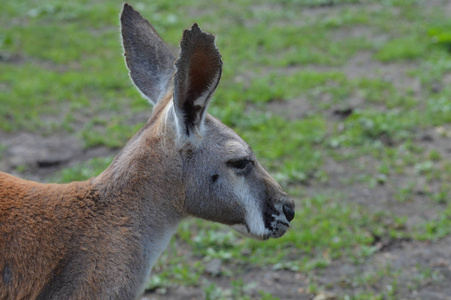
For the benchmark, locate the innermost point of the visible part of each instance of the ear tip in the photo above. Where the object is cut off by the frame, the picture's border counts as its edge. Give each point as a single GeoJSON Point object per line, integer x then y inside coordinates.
{"type": "Point", "coordinates": [194, 32]}
{"type": "Point", "coordinates": [127, 11]}
{"type": "Point", "coordinates": [126, 7]}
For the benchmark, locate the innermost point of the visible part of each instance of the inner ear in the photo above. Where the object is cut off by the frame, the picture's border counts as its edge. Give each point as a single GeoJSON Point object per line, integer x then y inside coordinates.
{"type": "Point", "coordinates": [202, 73]}
{"type": "Point", "coordinates": [199, 68]}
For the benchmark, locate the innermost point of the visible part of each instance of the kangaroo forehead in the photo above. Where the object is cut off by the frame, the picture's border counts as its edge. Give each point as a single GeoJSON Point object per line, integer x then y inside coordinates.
{"type": "Point", "coordinates": [235, 146]}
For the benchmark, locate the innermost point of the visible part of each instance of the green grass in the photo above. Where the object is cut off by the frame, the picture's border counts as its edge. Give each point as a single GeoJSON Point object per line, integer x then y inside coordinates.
{"type": "Point", "coordinates": [62, 70]}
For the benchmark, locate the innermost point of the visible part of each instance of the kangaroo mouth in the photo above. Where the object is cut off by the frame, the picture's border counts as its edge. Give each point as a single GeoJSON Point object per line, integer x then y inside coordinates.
{"type": "Point", "coordinates": [278, 228]}
{"type": "Point", "coordinates": [272, 222]}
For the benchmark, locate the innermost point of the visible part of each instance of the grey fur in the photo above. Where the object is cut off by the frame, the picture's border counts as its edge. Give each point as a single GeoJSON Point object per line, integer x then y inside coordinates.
{"type": "Point", "coordinates": [148, 58]}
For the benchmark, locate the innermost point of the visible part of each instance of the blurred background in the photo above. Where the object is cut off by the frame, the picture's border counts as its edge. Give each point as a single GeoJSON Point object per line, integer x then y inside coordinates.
{"type": "Point", "coordinates": [346, 102]}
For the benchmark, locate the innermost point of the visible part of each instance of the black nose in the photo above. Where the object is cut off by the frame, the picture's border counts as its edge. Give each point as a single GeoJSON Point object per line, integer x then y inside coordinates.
{"type": "Point", "coordinates": [289, 212]}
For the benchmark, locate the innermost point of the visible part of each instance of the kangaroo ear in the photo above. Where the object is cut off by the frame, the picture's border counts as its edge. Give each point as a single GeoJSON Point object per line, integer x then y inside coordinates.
{"type": "Point", "coordinates": [199, 68]}
{"type": "Point", "coordinates": [148, 58]}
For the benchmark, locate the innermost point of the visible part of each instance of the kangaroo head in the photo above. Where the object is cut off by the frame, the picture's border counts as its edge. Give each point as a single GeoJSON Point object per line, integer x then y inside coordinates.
{"type": "Point", "coordinates": [221, 177]}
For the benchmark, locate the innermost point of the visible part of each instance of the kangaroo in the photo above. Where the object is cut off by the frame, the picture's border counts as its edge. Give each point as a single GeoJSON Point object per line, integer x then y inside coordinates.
{"type": "Point", "coordinates": [98, 239]}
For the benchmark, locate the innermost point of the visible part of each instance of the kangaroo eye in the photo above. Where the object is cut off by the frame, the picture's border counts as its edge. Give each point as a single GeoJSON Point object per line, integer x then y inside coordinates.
{"type": "Point", "coordinates": [240, 163]}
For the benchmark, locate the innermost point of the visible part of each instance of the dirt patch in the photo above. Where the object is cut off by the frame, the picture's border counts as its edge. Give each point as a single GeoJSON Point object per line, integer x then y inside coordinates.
{"type": "Point", "coordinates": [294, 109]}
{"type": "Point", "coordinates": [21, 59]}
{"type": "Point", "coordinates": [437, 139]}
{"type": "Point", "coordinates": [36, 157]}
{"type": "Point", "coordinates": [363, 65]}
{"type": "Point", "coordinates": [382, 197]}
{"type": "Point", "coordinates": [358, 32]}
{"type": "Point", "coordinates": [283, 284]}
{"type": "Point", "coordinates": [412, 261]}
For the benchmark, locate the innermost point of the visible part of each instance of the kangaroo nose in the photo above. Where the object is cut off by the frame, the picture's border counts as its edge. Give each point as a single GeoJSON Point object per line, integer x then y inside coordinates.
{"type": "Point", "coordinates": [288, 212]}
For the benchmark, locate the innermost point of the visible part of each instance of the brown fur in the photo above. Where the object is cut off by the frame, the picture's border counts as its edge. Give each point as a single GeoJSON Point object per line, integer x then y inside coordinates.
{"type": "Point", "coordinates": [37, 223]}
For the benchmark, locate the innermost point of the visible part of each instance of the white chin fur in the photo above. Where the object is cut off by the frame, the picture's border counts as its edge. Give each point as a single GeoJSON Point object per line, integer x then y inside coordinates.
{"type": "Point", "coordinates": [242, 229]}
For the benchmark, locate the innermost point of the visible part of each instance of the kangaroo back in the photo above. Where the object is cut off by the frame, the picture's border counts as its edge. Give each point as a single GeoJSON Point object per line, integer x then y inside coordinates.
{"type": "Point", "coordinates": [37, 223]}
